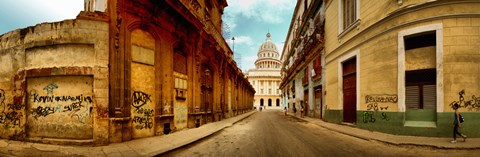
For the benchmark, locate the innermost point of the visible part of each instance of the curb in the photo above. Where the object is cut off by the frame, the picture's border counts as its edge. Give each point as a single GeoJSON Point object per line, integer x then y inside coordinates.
{"type": "Point", "coordinates": [386, 141]}
{"type": "Point", "coordinates": [203, 137]}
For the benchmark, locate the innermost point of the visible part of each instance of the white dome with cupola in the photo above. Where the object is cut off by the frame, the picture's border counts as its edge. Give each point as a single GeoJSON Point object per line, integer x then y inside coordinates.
{"type": "Point", "coordinates": [268, 55]}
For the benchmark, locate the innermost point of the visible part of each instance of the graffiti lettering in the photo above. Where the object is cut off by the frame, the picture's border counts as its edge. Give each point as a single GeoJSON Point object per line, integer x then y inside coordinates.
{"type": "Point", "coordinates": [73, 107]}
{"type": "Point", "coordinates": [49, 88]}
{"type": "Point", "coordinates": [385, 117]}
{"type": "Point", "coordinates": [139, 99]}
{"type": "Point", "coordinates": [375, 107]}
{"type": "Point", "coordinates": [381, 98]}
{"type": "Point", "coordinates": [9, 116]}
{"type": "Point", "coordinates": [368, 117]}
{"type": "Point", "coordinates": [144, 118]}
{"type": "Point", "coordinates": [53, 98]}
{"type": "Point", "coordinates": [42, 111]}
{"type": "Point", "coordinates": [474, 103]}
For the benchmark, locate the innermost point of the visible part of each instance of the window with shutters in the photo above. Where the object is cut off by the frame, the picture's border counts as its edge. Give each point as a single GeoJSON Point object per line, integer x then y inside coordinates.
{"type": "Point", "coordinates": [348, 13]}
{"type": "Point", "coordinates": [420, 90]}
{"type": "Point", "coordinates": [317, 68]}
{"type": "Point", "coordinates": [305, 77]}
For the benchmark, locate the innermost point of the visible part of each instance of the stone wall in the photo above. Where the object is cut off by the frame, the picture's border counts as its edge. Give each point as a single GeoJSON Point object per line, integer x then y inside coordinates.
{"type": "Point", "coordinates": [54, 82]}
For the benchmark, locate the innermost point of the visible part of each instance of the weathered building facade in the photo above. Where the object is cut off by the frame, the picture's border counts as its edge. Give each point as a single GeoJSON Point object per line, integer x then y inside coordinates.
{"type": "Point", "coordinates": [265, 78]}
{"type": "Point", "coordinates": [129, 69]}
{"type": "Point", "coordinates": [399, 66]}
{"type": "Point", "coordinates": [302, 57]}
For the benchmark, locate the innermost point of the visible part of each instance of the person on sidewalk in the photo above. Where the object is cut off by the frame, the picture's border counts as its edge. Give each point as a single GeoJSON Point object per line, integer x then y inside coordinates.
{"type": "Point", "coordinates": [301, 112]}
{"type": "Point", "coordinates": [456, 125]}
{"type": "Point", "coordinates": [294, 111]}
{"type": "Point", "coordinates": [285, 109]}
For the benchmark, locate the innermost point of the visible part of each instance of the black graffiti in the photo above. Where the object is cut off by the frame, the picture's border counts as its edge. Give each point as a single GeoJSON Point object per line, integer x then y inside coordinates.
{"type": "Point", "coordinates": [381, 98]}
{"type": "Point", "coordinates": [140, 98]}
{"type": "Point", "coordinates": [143, 118]}
{"type": "Point", "coordinates": [42, 111]}
{"type": "Point", "coordinates": [385, 117]}
{"type": "Point", "coordinates": [474, 103]}
{"type": "Point", "coordinates": [53, 98]}
{"type": "Point", "coordinates": [368, 117]}
{"type": "Point", "coordinates": [376, 107]}
{"type": "Point", "coordinates": [9, 116]}
{"type": "Point", "coordinates": [144, 111]}
{"type": "Point", "coordinates": [10, 119]}
{"type": "Point", "coordinates": [15, 106]}
{"type": "Point", "coordinates": [73, 107]}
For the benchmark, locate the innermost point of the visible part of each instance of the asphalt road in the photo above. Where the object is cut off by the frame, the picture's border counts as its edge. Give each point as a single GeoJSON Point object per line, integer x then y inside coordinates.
{"type": "Point", "coordinates": [270, 133]}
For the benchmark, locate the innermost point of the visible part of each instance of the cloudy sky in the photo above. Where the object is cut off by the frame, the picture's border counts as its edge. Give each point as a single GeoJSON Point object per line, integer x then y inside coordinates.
{"type": "Point", "coordinates": [15, 14]}
{"type": "Point", "coordinates": [249, 20]}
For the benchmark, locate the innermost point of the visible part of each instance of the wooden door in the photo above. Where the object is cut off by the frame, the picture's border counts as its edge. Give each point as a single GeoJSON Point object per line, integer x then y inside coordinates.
{"type": "Point", "coordinates": [349, 91]}
{"type": "Point", "coordinates": [318, 100]}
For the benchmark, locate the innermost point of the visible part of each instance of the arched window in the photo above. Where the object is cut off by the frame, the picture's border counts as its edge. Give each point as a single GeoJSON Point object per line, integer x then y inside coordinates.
{"type": "Point", "coordinates": [269, 102]}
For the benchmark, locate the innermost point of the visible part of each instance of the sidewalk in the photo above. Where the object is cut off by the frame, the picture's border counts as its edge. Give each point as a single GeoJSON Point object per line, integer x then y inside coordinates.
{"type": "Point", "coordinates": [435, 142]}
{"type": "Point", "coordinates": [150, 146]}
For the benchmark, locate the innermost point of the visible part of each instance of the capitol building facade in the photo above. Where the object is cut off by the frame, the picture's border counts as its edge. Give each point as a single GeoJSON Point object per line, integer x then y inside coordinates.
{"type": "Point", "coordinates": [265, 78]}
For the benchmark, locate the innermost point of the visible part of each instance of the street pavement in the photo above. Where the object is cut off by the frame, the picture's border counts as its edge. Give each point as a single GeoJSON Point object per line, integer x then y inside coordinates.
{"type": "Point", "coordinates": [270, 133]}
{"type": "Point", "coordinates": [260, 134]}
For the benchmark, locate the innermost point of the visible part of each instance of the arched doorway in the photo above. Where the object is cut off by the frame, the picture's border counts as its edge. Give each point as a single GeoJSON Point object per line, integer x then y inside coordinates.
{"type": "Point", "coordinates": [278, 102]}
{"type": "Point", "coordinates": [261, 102]}
{"type": "Point", "coordinates": [269, 102]}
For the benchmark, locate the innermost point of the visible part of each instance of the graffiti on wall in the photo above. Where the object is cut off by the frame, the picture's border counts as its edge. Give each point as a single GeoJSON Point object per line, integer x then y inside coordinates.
{"type": "Point", "coordinates": [369, 116]}
{"type": "Point", "coordinates": [140, 98]}
{"type": "Point", "coordinates": [10, 114]}
{"type": "Point", "coordinates": [143, 116]}
{"type": "Point", "coordinates": [377, 103]}
{"type": "Point", "coordinates": [73, 105]}
{"type": "Point", "coordinates": [472, 104]}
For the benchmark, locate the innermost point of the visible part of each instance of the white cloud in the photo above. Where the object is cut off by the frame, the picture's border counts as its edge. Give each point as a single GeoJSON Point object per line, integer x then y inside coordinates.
{"type": "Point", "coordinates": [239, 40]}
{"type": "Point", "coordinates": [269, 11]}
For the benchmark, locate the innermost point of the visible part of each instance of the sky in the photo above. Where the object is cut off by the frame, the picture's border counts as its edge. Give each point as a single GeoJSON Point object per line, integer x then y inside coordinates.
{"type": "Point", "coordinates": [16, 14]}
{"type": "Point", "coordinates": [249, 20]}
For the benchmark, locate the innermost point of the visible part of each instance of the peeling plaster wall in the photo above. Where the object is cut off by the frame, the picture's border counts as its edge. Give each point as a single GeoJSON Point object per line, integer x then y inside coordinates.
{"type": "Point", "coordinates": [39, 65]}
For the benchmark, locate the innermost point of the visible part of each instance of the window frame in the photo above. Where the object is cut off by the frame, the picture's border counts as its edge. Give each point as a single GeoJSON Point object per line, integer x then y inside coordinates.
{"type": "Point", "coordinates": [342, 30]}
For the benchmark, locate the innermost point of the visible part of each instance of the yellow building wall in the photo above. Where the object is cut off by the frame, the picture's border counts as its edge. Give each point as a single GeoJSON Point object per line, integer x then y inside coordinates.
{"type": "Point", "coordinates": [379, 49]}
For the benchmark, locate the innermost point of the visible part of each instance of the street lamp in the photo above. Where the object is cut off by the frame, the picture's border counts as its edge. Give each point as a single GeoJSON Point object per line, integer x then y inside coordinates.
{"type": "Point", "coordinates": [233, 40]}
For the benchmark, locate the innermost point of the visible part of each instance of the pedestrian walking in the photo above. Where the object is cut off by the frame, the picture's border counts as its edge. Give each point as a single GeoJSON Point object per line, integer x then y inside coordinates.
{"type": "Point", "coordinates": [301, 112]}
{"type": "Point", "coordinates": [285, 109]}
{"type": "Point", "coordinates": [458, 119]}
{"type": "Point", "coordinates": [295, 111]}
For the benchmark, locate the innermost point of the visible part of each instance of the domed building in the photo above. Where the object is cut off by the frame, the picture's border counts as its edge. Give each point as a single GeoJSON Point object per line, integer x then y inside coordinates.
{"type": "Point", "coordinates": [265, 78]}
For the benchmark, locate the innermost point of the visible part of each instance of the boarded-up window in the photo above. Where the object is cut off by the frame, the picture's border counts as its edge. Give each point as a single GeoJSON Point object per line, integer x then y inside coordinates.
{"type": "Point", "coordinates": [180, 59]}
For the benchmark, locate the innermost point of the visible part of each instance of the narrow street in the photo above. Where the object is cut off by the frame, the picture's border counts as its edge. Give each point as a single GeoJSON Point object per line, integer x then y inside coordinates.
{"type": "Point", "coordinates": [270, 133]}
